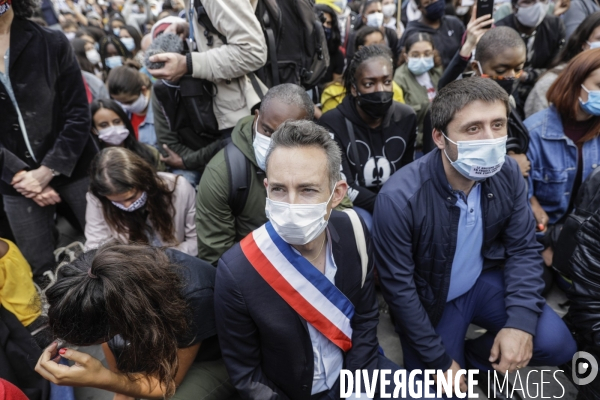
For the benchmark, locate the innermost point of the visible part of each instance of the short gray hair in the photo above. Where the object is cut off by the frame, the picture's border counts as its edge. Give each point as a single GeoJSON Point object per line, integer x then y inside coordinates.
{"type": "Point", "coordinates": [291, 95]}
{"type": "Point", "coordinates": [306, 134]}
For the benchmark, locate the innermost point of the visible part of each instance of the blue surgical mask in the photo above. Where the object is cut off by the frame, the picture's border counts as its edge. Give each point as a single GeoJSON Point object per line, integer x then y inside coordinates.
{"type": "Point", "coordinates": [592, 105]}
{"type": "Point", "coordinates": [116, 31]}
{"type": "Point", "coordinates": [594, 45]}
{"type": "Point", "coordinates": [420, 65]}
{"type": "Point", "coordinates": [136, 205]}
{"type": "Point", "coordinates": [327, 32]}
{"type": "Point", "coordinates": [479, 159]}
{"type": "Point", "coordinates": [113, 62]}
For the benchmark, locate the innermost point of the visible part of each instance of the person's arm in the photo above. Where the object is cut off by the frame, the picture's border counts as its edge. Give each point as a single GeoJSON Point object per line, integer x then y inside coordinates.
{"type": "Point", "coordinates": [96, 227]}
{"type": "Point", "coordinates": [475, 29]}
{"type": "Point", "coordinates": [240, 340]}
{"type": "Point", "coordinates": [215, 222]}
{"type": "Point", "coordinates": [364, 351]}
{"type": "Point", "coordinates": [393, 244]}
{"type": "Point", "coordinates": [187, 196]}
{"type": "Point", "coordinates": [523, 265]}
{"type": "Point", "coordinates": [74, 134]}
{"type": "Point", "coordinates": [10, 164]}
{"type": "Point", "coordinates": [191, 159]}
{"type": "Point", "coordinates": [246, 48]}
{"type": "Point", "coordinates": [88, 371]}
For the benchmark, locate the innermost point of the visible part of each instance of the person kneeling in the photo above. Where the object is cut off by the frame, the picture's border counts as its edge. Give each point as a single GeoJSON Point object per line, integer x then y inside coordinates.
{"type": "Point", "coordinates": [295, 300]}
{"type": "Point", "coordinates": [152, 311]}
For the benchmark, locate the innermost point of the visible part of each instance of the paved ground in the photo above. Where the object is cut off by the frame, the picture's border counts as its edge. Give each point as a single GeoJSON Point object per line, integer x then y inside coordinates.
{"type": "Point", "coordinates": [391, 345]}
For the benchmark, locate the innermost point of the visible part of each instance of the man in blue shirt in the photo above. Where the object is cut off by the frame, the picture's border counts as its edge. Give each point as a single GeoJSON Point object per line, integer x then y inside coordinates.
{"type": "Point", "coordinates": [455, 244]}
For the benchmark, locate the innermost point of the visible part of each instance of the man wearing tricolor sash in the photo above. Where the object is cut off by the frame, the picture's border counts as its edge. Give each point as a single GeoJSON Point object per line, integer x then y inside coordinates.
{"type": "Point", "coordinates": [294, 302]}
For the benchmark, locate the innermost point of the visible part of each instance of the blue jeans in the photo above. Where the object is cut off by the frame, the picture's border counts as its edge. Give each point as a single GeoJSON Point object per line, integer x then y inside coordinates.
{"type": "Point", "coordinates": [483, 305]}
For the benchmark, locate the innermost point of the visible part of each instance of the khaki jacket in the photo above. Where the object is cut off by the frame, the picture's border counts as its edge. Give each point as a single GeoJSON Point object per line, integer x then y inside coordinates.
{"type": "Point", "coordinates": [227, 65]}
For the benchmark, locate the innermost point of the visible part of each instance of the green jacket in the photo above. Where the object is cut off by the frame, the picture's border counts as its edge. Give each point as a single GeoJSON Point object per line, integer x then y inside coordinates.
{"type": "Point", "coordinates": [218, 230]}
{"type": "Point", "coordinates": [415, 95]}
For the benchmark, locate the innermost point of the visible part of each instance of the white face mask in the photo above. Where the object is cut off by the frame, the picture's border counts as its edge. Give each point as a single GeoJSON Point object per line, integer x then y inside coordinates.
{"type": "Point", "coordinates": [462, 10]}
{"type": "Point", "coordinates": [138, 106]}
{"type": "Point", "coordinates": [261, 144]}
{"type": "Point", "coordinates": [297, 224]}
{"type": "Point", "coordinates": [389, 10]}
{"type": "Point", "coordinates": [113, 135]}
{"type": "Point", "coordinates": [533, 15]}
{"type": "Point", "coordinates": [93, 56]}
{"type": "Point", "coordinates": [128, 42]}
{"type": "Point", "coordinates": [70, 35]}
{"type": "Point", "coordinates": [479, 159]}
{"type": "Point", "coordinates": [375, 20]}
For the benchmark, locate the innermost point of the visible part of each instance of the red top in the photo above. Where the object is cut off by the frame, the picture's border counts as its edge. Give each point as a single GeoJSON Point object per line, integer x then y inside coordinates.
{"type": "Point", "coordinates": [136, 121]}
{"type": "Point", "coordinates": [8, 391]}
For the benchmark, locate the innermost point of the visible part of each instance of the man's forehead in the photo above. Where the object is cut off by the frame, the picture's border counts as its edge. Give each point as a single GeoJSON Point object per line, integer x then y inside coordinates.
{"type": "Point", "coordinates": [300, 165]}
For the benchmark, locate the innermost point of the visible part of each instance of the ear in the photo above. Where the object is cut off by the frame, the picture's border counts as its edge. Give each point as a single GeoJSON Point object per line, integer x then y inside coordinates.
{"type": "Point", "coordinates": [340, 190]}
{"type": "Point", "coordinates": [266, 183]}
{"type": "Point", "coordinates": [438, 139]}
{"type": "Point", "coordinates": [353, 91]}
{"type": "Point", "coordinates": [475, 68]}
{"type": "Point", "coordinates": [405, 56]}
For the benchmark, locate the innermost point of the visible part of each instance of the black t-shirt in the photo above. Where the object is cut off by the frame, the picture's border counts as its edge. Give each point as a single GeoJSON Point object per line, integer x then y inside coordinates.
{"type": "Point", "coordinates": [199, 280]}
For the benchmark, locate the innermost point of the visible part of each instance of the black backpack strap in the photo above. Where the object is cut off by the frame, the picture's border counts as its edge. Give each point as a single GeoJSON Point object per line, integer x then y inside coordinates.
{"type": "Point", "coordinates": [205, 21]}
{"type": "Point", "coordinates": [256, 85]}
{"type": "Point", "coordinates": [354, 148]}
{"type": "Point", "coordinates": [238, 169]}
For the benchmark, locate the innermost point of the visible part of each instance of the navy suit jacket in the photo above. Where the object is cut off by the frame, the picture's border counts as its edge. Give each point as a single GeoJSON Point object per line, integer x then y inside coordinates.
{"type": "Point", "coordinates": [265, 343]}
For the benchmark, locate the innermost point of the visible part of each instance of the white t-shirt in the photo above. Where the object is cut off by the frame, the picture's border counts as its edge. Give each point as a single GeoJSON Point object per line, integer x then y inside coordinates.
{"type": "Point", "coordinates": [425, 81]}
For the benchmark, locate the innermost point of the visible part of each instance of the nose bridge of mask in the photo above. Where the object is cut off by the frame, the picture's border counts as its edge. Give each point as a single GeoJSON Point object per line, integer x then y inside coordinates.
{"type": "Point", "coordinates": [477, 142]}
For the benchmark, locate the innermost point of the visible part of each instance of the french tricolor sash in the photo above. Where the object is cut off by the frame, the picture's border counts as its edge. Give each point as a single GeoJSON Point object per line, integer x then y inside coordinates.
{"type": "Point", "coordinates": [300, 284]}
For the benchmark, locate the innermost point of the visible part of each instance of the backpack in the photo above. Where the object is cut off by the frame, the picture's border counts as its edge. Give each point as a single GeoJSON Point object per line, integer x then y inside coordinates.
{"type": "Point", "coordinates": [189, 105]}
{"type": "Point", "coordinates": [296, 56]}
{"type": "Point", "coordinates": [586, 204]}
{"type": "Point", "coordinates": [238, 171]}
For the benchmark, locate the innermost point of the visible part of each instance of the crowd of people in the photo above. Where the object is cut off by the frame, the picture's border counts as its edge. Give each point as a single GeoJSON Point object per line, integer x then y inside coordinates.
{"type": "Point", "coordinates": [248, 175]}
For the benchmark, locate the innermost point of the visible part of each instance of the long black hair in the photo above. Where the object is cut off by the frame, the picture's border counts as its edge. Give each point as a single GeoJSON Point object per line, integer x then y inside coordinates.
{"type": "Point", "coordinates": [79, 49]}
{"type": "Point", "coordinates": [130, 143]}
{"type": "Point", "coordinates": [333, 44]}
{"type": "Point", "coordinates": [577, 39]}
{"type": "Point", "coordinates": [363, 55]}
{"type": "Point", "coordinates": [129, 290]}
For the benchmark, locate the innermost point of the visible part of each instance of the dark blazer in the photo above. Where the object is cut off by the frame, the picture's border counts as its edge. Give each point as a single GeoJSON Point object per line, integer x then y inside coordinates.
{"type": "Point", "coordinates": [415, 229]}
{"type": "Point", "coordinates": [50, 92]}
{"type": "Point", "coordinates": [265, 343]}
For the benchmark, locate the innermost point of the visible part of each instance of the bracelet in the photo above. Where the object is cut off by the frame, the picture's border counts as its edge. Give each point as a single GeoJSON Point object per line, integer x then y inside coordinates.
{"type": "Point", "coordinates": [188, 61]}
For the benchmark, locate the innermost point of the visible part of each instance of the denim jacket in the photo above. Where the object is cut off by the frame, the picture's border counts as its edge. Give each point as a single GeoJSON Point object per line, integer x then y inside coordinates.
{"type": "Point", "coordinates": [146, 132]}
{"type": "Point", "coordinates": [553, 158]}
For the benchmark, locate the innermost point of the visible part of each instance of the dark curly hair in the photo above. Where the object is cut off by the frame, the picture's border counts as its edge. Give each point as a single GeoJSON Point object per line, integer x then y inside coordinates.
{"type": "Point", "coordinates": [117, 170]}
{"type": "Point", "coordinates": [128, 290]}
{"type": "Point", "coordinates": [25, 8]}
{"type": "Point", "coordinates": [363, 55]}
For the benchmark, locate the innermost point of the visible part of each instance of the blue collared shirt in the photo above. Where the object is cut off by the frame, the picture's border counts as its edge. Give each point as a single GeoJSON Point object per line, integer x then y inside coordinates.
{"type": "Point", "coordinates": [468, 260]}
{"type": "Point", "coordinates": [328, 359]}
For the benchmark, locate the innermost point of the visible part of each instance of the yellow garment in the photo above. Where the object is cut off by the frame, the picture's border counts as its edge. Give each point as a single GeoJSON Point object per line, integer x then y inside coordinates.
{"type": "Point", "coordinates": [330, 3]}
{"type": "Point", "coordinates": [334, 94]}
{"type": "Point", "coordinates": [17, 293]}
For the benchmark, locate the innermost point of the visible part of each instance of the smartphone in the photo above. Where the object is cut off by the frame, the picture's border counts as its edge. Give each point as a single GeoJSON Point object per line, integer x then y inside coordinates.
{"type": "Point", "coordinates": [61, 344]}
{"type": "Point", "coordinates": [485, 7]}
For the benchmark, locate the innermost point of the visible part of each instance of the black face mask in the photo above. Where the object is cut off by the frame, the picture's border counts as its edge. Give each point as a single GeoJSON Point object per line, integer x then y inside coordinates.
{"type": "Point", "coordinates": [376, 104]}
{"type": "Point", "coordinates": [507, 84]}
